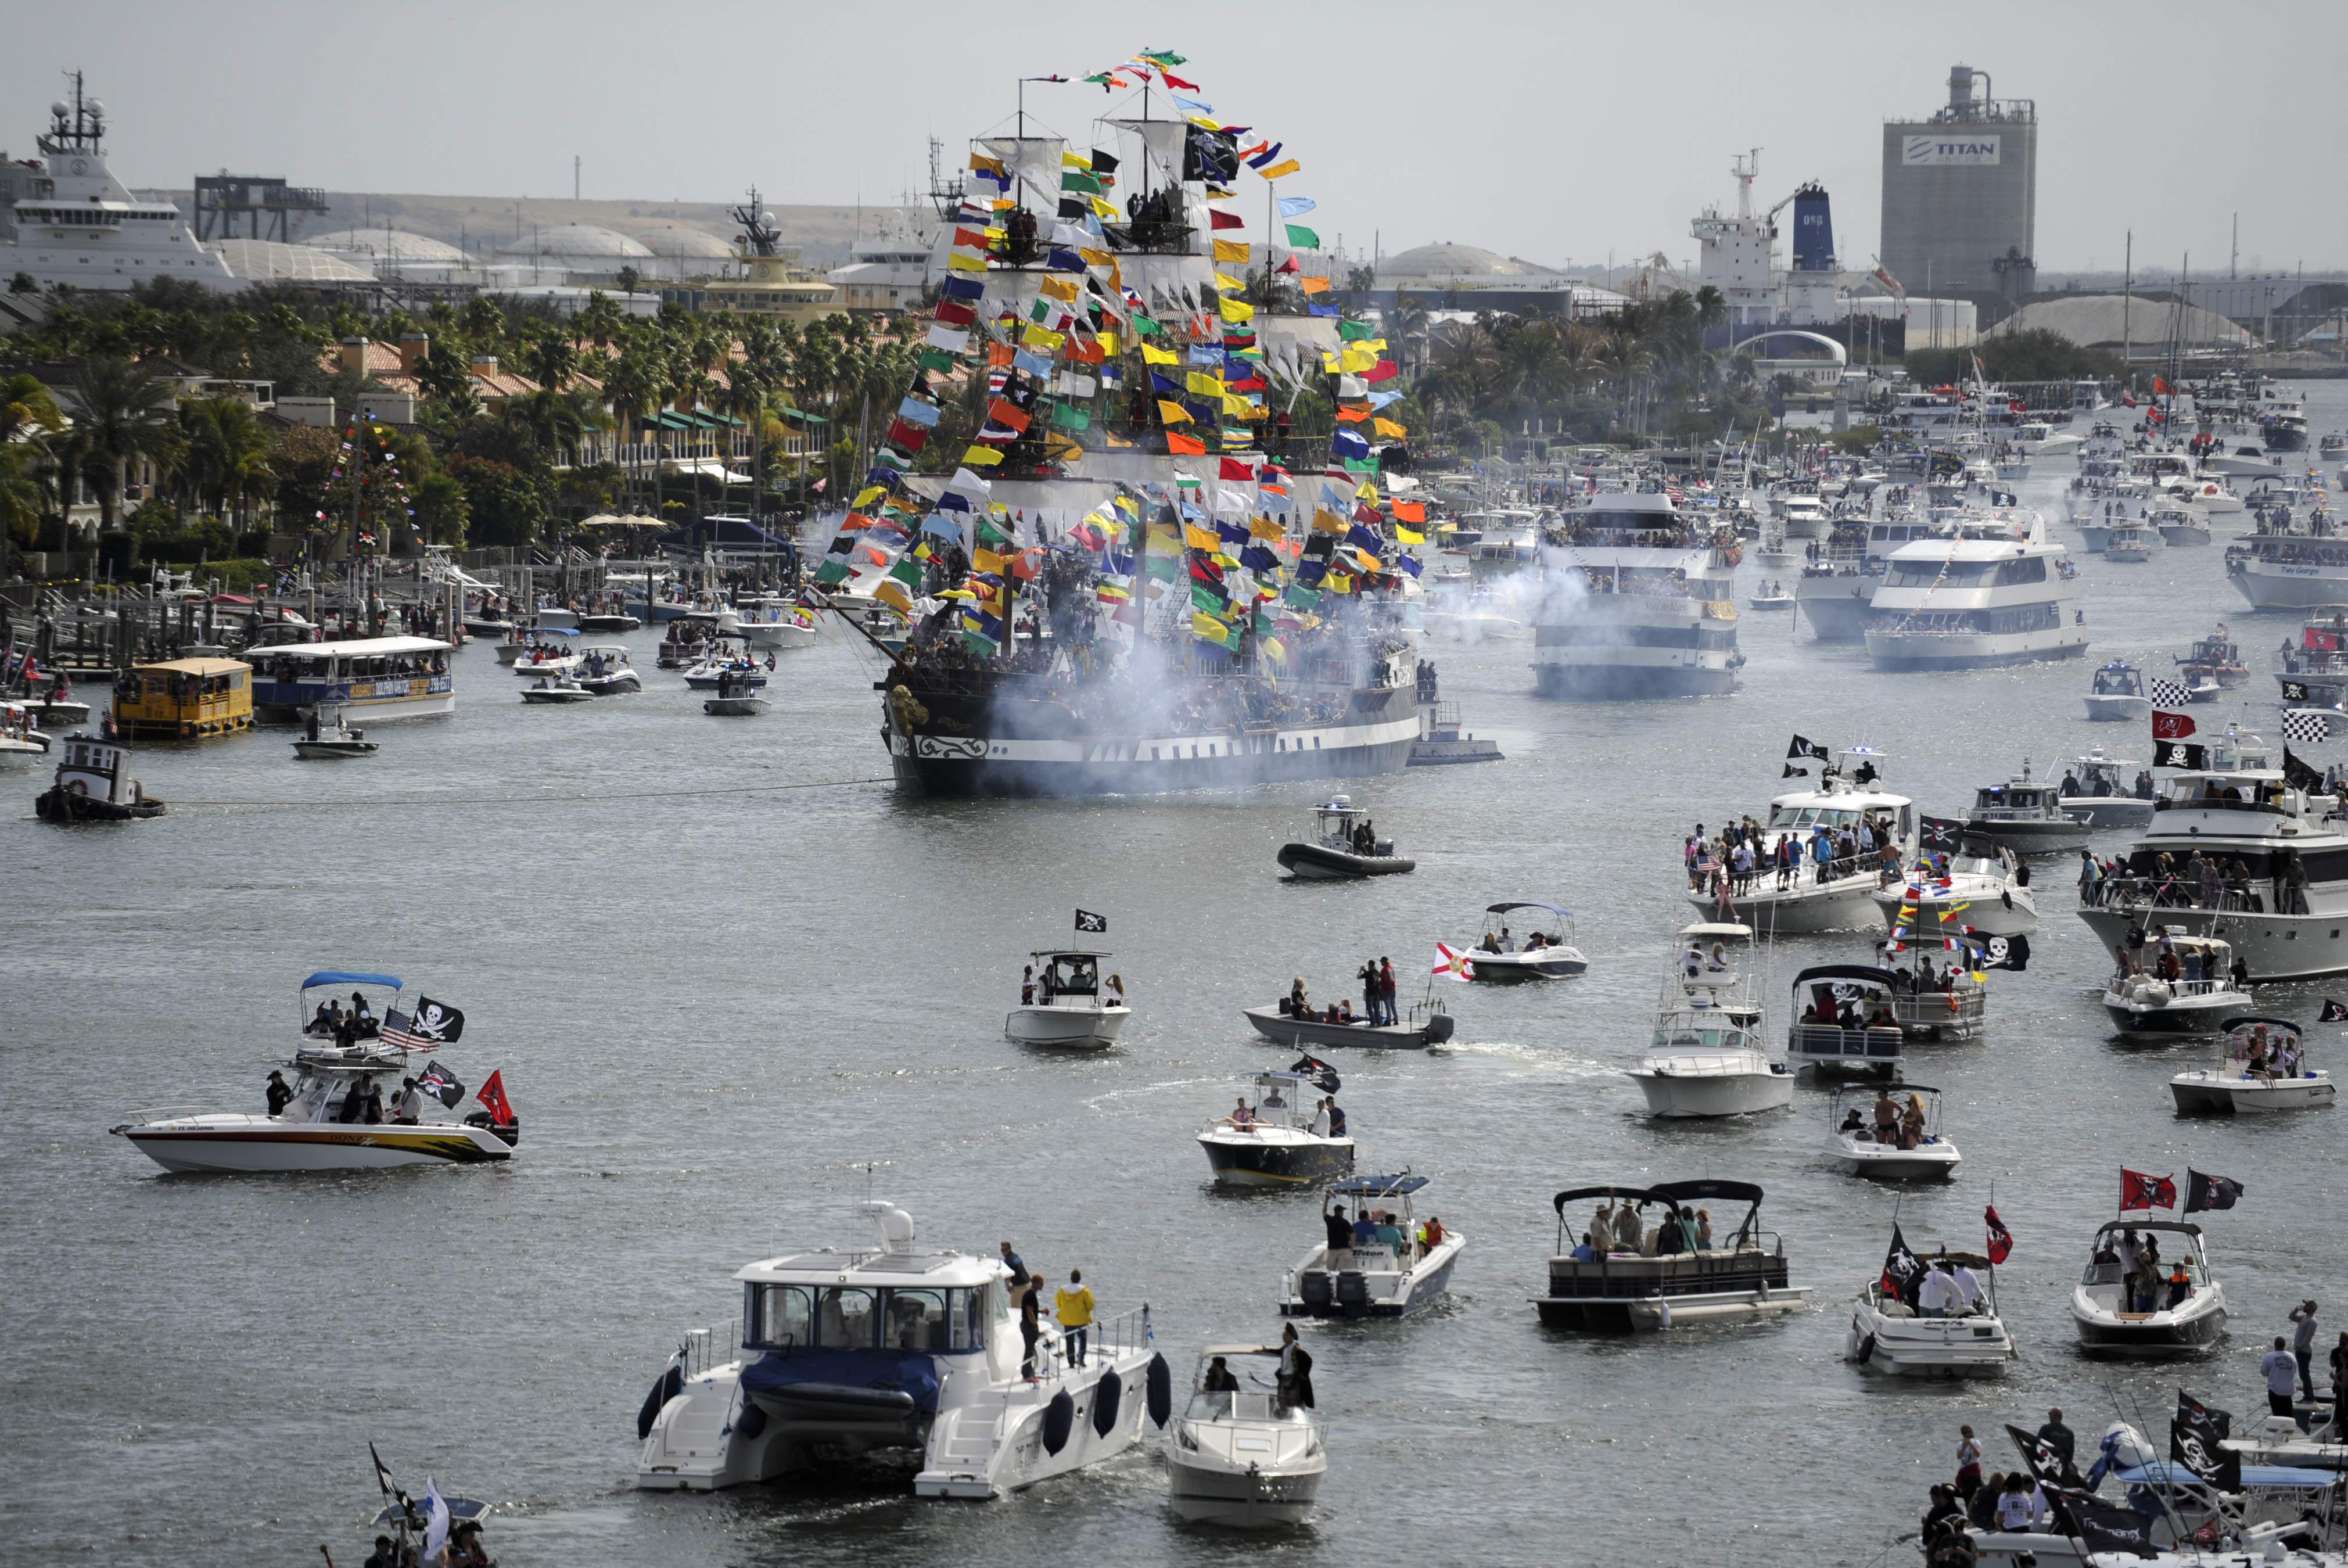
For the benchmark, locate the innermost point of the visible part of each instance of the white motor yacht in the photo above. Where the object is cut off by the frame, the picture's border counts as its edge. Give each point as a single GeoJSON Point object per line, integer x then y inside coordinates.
{"type": "Point", "coordinates": [2164, 1318]}
{"type": "Point", "coordinates": [1066, 1004]}
{"type": "Point", "coordinates": [1622, 1271]}
{"type": "Point", "coordinates": [1896, 1137]}
{"type": "Point", "coordinates": [1891, 1335]}
{"type": "Point", "coordinates": [1837, 894]}
{"type": "Point", "coordinates": [2177, 525]}
{"type": "Point", "coordinates": [1639, 601]}
{"type": "Point", "coordinates": [1241, 1456]}
{"type": "Point", "coordinates": [322, 1124]}
{"type": "Point", "coordinates": [1980, 886]}
{"type": "Point", "coordinates": [1384, 1270]}
{"type": "Point", "coordinates": [2116, 695]}
{"type": "Point", "coordinates": [2100, 792]}
{"type": "Point", "coordinates": [890, 1349]}
{"type": "Point", "coordinates": [1273, 1137]}
{"type": "Point", "coordinates": [2262, 1068]}
{"type": "Point", "coordinates": [2204, 994]}
{"type": "Point", "coordinates": [770, 620]}
{"type": "Point", "coordinates": [1997, 593]}
{"type": "Point", "coordinates": [1545, 951]}
{"type": "Point", "coordinates": [1706, 1058]}
{"type": "Point", "coordinates": [2129, 543]}
{"type": "Point", "coordinates": [2037, 438]}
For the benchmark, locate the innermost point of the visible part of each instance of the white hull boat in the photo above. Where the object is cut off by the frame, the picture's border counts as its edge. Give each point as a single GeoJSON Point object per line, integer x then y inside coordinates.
{"type": "Point", "coordinates": [1241, 1456]}
{"type": "Point", "coordinates": [1860, 1155]}
{"type": "Point", "coordinates": [2108, 1325]}
{"type": "Point", "coordinates": [1889, 1336]}
{"type": "Point", "coordinates": [1077, 1026]}
{"type": "Point", "coordinates": [1695, 1085]}
{"type": "Point", "coordinates": [218, 1143]}
{"type": "Point", "coordinates": [2104, 709]}
{"type": "Point", "coordinates": [1378, 1281]}
{"type": "Point", "coordinates": [1991, 905]}
{"type": "Point", "coordinates": [2215, 1089]}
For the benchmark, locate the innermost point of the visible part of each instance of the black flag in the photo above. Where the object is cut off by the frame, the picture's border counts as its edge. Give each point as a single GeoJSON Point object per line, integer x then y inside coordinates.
{"type": "Point", "coordinates": [2177, 754]}
{"type": "Point", "coordinates": [382, 1473]}
{"type": "Point", "coordinates": [1793, 772]}
{"type": "Point", "coordinates": [2298, 774]}
{"type": "Point", "coordinates": [441, 1084]}
{"type": "Point", "coordinates": [1086, 921]}
{"type": "Point", "coordinates": [2210, 1191]}
{"type": "Point", "coordinates": [2197, 1437]}
{"type": "Point", "coordinates": [2045, 1464]}
{"type": "Point", "coordinates": [1902, 1269]}
{"type": "Point", "coordinates": [1803, 748]}
{"type": "Point", "coordinates": [438, 1021]}
{"type": "Point", "coordinates": [2105, 1526]}
{"type": "Point", "coordinates": [2001, 952]}
{"type": "Point", "coordinates": [1324, 1076]}
{"type": "Point", "coordinates": [2295, 691]}
{"type": "Point", "coordinates": [2333, 1013]}
{"type": "Point", "coordinates": [1940, 835]}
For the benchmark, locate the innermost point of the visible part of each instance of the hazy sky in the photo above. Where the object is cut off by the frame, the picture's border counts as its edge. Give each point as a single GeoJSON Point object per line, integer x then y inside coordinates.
{"type": "Point", "coordinates": [1554, 132]}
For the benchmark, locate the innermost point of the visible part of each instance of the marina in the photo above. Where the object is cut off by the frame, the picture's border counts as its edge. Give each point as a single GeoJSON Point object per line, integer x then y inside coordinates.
{"type": "Point", "coordinates": [1190, 1279]}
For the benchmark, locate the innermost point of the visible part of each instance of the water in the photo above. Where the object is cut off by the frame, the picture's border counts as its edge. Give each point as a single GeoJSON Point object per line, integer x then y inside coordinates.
{"type": "Point", "coordinates": [713, 993]}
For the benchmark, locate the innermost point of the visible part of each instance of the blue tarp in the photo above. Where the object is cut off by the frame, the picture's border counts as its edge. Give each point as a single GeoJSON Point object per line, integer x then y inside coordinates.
{"type": "Point", "coordinates": [349, 977]}
{"type": "Point", "coordinates": [779, 1369]}
{"type": "Point", "coordinates": [2163, 1472]}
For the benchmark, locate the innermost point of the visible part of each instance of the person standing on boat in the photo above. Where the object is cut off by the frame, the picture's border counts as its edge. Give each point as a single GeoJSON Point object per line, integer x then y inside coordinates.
{"type": "Point", "coordinates": [407, 1110]}
{"type": "Point", "coordinates": [1295, 1371]}
{"type": "Point", "coordinates": [2280, 1368]}
{"type": "Point", "coordinates": [279, 1094]}
{"type": "Point", "coordinates": [1368, 975]}
{"type": "Point", "coordinates": [1387, 989]}
{"type": "Point", "coordinates": [1074, 1307]}
{"type": "Point", "coordinates": [1030, 1325]}
{"type": "Point", "coordinates": [1338, 1250]}
{"type": "Point", "coordinates": [1968, 1456]}
{"type": "Point", "coordinates": [2060, 1439]}
{"type": "Point", "coordinates": [2302, 1343]}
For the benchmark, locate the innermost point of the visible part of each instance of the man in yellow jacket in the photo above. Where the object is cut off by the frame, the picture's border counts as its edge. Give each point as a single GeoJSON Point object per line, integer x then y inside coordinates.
{"type": "Point", "coordinates": [1074, 1304]}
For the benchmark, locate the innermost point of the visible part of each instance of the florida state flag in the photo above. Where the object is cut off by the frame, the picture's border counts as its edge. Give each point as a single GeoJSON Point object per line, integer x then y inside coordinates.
{"type": "Point", "coordinates": [2171, 726]}
{"type": "Point", "coordinates": [2138, 1190]}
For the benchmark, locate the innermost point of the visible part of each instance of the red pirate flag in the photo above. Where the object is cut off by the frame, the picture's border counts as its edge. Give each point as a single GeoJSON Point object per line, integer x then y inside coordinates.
{"type": "Point", "coordinates": [2138, 1190]}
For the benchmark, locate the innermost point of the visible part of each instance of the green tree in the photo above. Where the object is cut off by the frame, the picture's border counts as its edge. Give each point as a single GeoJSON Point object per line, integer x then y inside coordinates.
{"type": "Point", "coordinates": [123, 415]}
{"type": "Point", "coordinates": [506, 505]}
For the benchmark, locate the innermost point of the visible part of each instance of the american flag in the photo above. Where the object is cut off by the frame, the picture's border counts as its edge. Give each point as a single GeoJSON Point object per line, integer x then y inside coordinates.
{"type": "Point", "coordinates": [2306, 724]}
{"type": "Point", "coordinates": [407, 1040]}
{"type": "Point", "coordinates": [2169, 694]}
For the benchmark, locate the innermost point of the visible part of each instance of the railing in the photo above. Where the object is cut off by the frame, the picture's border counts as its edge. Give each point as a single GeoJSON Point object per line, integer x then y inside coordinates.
{"type": "Point", "coordinates": [1127, 1332]}
{"type": "Point", "coordinates": [2127, 893]}
{"type": "Point", "coordinates": [165, 1113]}
{"type": "Point", "coordinates": [706, 1349]}
{"type": "Point", "coordinates": [1822, 1042]}
{"type": "Point", "coordinates": [1937, 1006]}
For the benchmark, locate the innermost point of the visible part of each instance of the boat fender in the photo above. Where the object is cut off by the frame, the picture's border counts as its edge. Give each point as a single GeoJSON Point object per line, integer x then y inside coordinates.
{"type": "Point", "coordinates": [752, 1420]}
{"type": "Point", "coordinates": [1867, 1350]}
{"type": "Point", "coordinates": [1059, 1420]}
{"type": "Point", "coordinates": [1664, 1321]}
{"type": "Point", "coordinates": [665, 1388]}
{"type": "Point", "coordinates": [1160, 1390]}
{"type": "Point", "coordinates": [1107, 1394]}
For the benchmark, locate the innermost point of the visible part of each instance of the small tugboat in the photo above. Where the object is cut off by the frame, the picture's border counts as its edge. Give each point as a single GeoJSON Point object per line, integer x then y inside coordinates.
{"type": "Point", "coordinates": [1386, 1271]}
{"type": "Point", "coordinates": [894, 1348]}
{"type": "Point", "coordinates": [735, 699]}
{"type": "Point", "coordinates": [604, 671]}
{"type": "Point", "coordinates": [91, 787]}
{"type": "Point", "coordinates": [2025, 817]}
{"type": "Point", "coordinates": [2116, 695]}
{"type": "Point", "coordinates": [1063, 1002]}
{"type": "Point", "coordinates": [327, 737]}
{"type": "Point", "coordinates": [1953, 1330]}
{"type": "Point", "coordinates": [1545, 952]}
{"type": "Point", "coordinates": [1244, 1456]}
{"type": "Point", "coordinates": [1603, 1275]}
{"type": "Point", "coordinates": [2195, 1001]}
{"type": "Point", "coordinates": [2125, 1303]}
{"type": "Point", "coordinates": [2098, 792]}
{"type": "Point", "coordinates": [1272, 1138]}
{"type": "Point", "coordinates": [1897, 1138]}
{"type": "Point", "coordinates": [1344, 847]}
{"type": "Point", "coordinates": [2263, 1068]}
{"type": "Point", "coordinates": [556, 689]}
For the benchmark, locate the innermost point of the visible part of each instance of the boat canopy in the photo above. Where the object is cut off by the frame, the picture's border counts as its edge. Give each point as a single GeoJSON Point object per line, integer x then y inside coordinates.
{"type": "Point", "coordinates": [1528, 904]}
{"type": "Point", "coordinates": [2165, 1472]}
{"type": "Point", "coordinates": [1068, 953]}
{"type": "Point", "coordinates": [349, 977]}
{"type": "Point", "coordinates": [2182, 1227]}
{"type": "Point", "coordinates": [364, 646]}
{"type": "Point", "coordinates": [1737, 1191]}
{"type": "Point", "coordinates": [554, 631]}
{"type": "Point", "coordinates": [1724, 930]}
{"type": "Point", "coordinates": [1576, 1195]}
{"type": "Point", "coordinates": [1380, 1186]}
{"type": "Point", "coordinates": [1846, 972]}
{"type": "Point", "coordinates": [2247, 1019]}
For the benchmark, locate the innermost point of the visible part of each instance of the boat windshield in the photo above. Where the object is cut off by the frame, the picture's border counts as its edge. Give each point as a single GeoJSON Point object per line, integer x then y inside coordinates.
{"type": "Point", "coordinates": [2118, 683]}
{"type": "Point", "coordinates": [1248, 1405]}
{"type": "Point", "coordinates": [1721, 1036]}
{"type": "Point", "coordinates": [1785, 818]}
{"type": "Point", "coordinates": [852, 1317]}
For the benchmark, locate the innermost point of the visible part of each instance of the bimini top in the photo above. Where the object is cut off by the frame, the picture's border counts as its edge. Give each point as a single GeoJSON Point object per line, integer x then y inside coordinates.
{"type": "Point", "coordinates": [1663, 1193]}
{"type": "Point", "coordinates": [1846, 972]}
{"type": "Point", "coordinates": [2245, 1019]}
{"type": "Point", "coordinates": [2164, 1472]}
{"type": "Point", "coordinates": [1528, 904]}
{"type": "Point", "coordinates": [1068, 953]}
{"type": "Point", "coordinates": [350, 977]}
{"type": "Point", "coordinates": [1400, 1186]}
{"type": "Point", "coordinates": [2183, 1227]}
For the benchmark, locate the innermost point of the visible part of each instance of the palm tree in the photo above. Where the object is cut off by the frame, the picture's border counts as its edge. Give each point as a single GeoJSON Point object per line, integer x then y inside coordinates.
{"type": "Point", "coordinates": [122, 414]}
{"type": "Point", "coordinates": [599, 321]}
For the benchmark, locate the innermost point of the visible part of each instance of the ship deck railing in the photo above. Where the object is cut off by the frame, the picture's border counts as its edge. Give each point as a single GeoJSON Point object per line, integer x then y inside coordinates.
{"type": "Point", "coordinates": [1625, 1275]}
{"type": "Point", "coordinates": [2171, 892]}
{"type": "Point", "coordinates": [1828, 1042]}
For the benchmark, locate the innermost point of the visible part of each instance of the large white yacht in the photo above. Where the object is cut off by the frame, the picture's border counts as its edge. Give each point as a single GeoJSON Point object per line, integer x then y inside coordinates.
{"type": "Point", "coordinates": [891, 1350]}
{"type": "Point", "coordinates": [2286, 565]}
{"type": "Point", "coordinates": [2277, 854]}
{"type": "Point", "coordinates": [1839, 893]}
{"type": "Point", "coordinates": [1707, 1059]}
{"type": "Point", "coordinates": [1639, 602]}
{"type": "Point", "coordinates": [1994, 593]}
{"type": "Point", "coordinates": [78, 225]}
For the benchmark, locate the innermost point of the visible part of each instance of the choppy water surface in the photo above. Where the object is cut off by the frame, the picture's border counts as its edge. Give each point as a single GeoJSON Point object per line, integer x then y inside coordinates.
{"type": "Point", "coordinates": [714, 992]}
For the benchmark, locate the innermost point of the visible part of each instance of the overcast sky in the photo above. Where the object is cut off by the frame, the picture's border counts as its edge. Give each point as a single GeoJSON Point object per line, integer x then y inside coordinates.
{"type": "Point", "coordinates": [1555, 132]}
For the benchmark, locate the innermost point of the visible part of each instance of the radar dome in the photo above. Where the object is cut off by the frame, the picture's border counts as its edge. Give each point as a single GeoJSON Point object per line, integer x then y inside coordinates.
{"type": "Point", "coordinates": [57, 108]}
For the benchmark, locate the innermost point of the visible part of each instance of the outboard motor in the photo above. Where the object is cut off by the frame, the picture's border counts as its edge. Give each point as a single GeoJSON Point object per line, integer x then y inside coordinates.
{"type": "Point", "coordinates": [1352, 1293]}
{"type": "Point", "coordinates": [1315, 1290]}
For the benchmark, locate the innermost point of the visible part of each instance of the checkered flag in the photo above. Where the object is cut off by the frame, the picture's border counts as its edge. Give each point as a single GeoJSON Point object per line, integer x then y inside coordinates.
{"type": "Point", "coordinates": [2306, 726]}
{"type": "Point", "coordinates": [2169, 694]}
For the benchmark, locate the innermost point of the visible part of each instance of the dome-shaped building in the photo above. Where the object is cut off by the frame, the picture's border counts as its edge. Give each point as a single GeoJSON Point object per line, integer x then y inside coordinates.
{"type": "Point", "coordinates": [565, 248]}
{"type": "Point", "coordinates": [685, 252]}
{"type": "Point", "coordinates": [271, 261]}
{"type": "Point", "coordinates": [1447, 263]}
{"type": "Point", "coordinates": [393, 244]}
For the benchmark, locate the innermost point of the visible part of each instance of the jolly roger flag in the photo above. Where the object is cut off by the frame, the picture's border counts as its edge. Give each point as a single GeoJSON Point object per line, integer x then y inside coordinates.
{"type": "Point", "coordinates": [2196, 1441]}
{"type": "Point", "coordinates": [2295, 773]}
{"type": "Point", "coordinates": [1902, 1269]}
{"type": "Point", "coordinates": [438, 1021]}
{"type": "Point", "coordinates": [2333, 1013]}
{"type": "Point", "coordinates": [1324, 1076]}
{"type": "Point", "coordinates": [2046, 1465]}
{"type": "Point", "coordinates": [2177, 754]}
{"type": "Point", "coordinates": [2002, 952]}
{"type": "Point", "coordinates": [2296, 691]}
{"type": "Point", "coordinates": [1940, 835]}
{"type": "Point", "coordinates": [441, 1084]}
{"type": "Point", "coordinates": [1086, 921]}
{"type": "Point", "coordinates": [1793, 772]}
{"type": "Point", "coordinates": [2103, 1527]}
{"type": "Point", "coordinates": [1803, 748]}
{"type": "Point", "coordinates": [2205, 1191]}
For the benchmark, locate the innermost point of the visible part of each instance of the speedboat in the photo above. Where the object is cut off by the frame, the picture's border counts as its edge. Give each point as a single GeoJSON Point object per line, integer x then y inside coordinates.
{"type": "Point", "coordinates": [1706, 1059]}
{"type": "Point", "coordinates": [1392, 1276]}
{"type": "Point", "coordinates": [1835, 894]}
{"type": "Point", "coordinates": [2098, 792]}
{"type": "Point", "coordinates": [2198, 1002]}
{"type": "Point", "coordinates": [2177, 526]}
{"type": "Point", "coordinates": [2026, 817]}
{"type": "Point", "coordinates": [604, 671]}
{"type": "Point", "coordinates": [706, 675]}
{"type": "Point", "coordinates": [888, 1349]}
{"type": "Point", "coordinates": [556, 690]}
{"type": "Point", "coordinates": [322, 1126]}
{"type": "Point", "coordinates": [1272, 1138]}
{"type": "Point", "coordinates": [1065, 1006]}
{"type": "Point", "coordinates": [1898, 1143]}
{"type": "Point", "coordinates": [544, 660]}
{"type": "Point", "coordinates": [1891, 1335]}
{"type": "Point", "coordinates": [1545, 952]}
{"type": "Point", "coordinates": [1772, 596]}
{"type": "Point", "coordinates": [2116, 695]}
{"type": "Point", "coordinates": [1342, 847]}
{"type": "Point", "coordinates": [1621, 1273]}
{"type": "Point", "coordinates": [770, 620]}
{"type": "Point", "coordinates": [735, 699]}
{"type": "Point", "coordinates": [1981, 887]}
{"type": "Point", "coordinates": [329, 736]}
{"type": "Point", "coordinates": [20, 742]}
{"type": "Point", "coordinates": [2174, 1322]}
{"type": "Point", "coordinates": [1241, 1456]}
{"type": "Point", "coordinates": [608, 622]}
{"type": "Point", "coordinates": [2262, 1069]}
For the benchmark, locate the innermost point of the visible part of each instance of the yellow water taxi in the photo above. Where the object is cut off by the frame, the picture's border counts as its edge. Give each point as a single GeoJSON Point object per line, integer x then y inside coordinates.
{"type": "Point", "coordinates": [184, 699]}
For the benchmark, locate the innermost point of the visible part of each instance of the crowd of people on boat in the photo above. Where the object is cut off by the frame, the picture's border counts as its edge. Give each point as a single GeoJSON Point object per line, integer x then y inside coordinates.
{"type": "Point", "coordinates": [2099, 783]}
{"type": "Point", "coordinates": [334, 1022]}
{"type": "Point", "coordinates": [2265, 1056]}
{"type": "Point", "coordinates": [1327, 1120]}
{"type": "Point", "coordinates": [1504, 940]}
{"type": "Point", "coordinates": [1618, 1231]}
{"type": "Point", "coordinates": [2147, 1284]}
{"type": "Point", "coordinates": [1893, 1123]}
{"type": "Point", "coordinates": [1379, 1005]}
{"type": "Point", "coordinates": [464, 1550]}
{"type": "Point", "coordinates": [2197, 882]}
{"type": "Point", "coordinates": [1041, 990]}
{"type": "Point", "coordinates": [1730, 863]}
{"type": "Point", "coordinates": [1351, 1244]}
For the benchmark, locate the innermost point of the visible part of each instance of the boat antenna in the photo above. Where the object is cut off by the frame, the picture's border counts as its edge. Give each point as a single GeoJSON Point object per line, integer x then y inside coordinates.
{"type": "Point", "coordinates": [868, 1167]}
